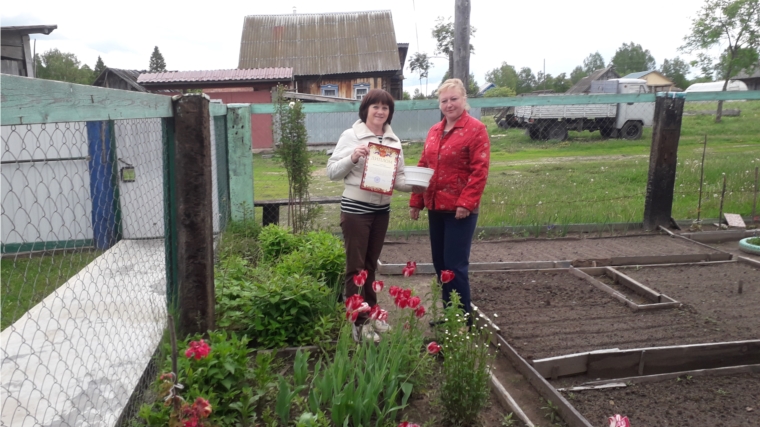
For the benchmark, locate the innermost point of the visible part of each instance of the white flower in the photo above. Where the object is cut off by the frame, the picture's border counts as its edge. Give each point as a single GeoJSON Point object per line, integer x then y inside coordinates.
{"type": "Point", "coordinates": [292, 104]}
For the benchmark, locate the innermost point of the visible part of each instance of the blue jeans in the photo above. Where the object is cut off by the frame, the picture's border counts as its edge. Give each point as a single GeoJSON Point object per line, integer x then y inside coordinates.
{"type": "Point", "coordinates": [450, 241]}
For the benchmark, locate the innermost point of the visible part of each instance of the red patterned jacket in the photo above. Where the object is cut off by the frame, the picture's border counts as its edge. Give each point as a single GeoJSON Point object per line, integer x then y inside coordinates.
{"type": "Point", "coordinates": [460, 160]}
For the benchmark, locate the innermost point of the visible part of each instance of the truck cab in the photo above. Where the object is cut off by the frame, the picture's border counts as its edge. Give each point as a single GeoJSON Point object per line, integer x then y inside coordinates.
{"type": "Point", "coordinates": [631, 117]}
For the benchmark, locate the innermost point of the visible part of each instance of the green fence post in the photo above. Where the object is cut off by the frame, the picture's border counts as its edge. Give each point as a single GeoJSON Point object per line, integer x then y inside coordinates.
{"type": "Point", "coordinates": [222, 170]}
{"type": "Point", "coordinates": [240, 160]}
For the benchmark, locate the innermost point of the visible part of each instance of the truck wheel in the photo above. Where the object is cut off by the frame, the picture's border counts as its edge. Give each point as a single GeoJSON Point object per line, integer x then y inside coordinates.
{"type": "Point", "coordinates": [608, 132]}
{"type": "Point", "coordinates": [632, 130]}
{"type": "Point", "coordinates": [534, 133]}
{"type": "Point", "coordinates": [557, 133]}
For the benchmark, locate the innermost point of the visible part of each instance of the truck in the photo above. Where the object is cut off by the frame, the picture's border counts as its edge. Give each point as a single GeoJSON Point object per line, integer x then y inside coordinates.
{"type": "Point", "coordinates": [624, 120]}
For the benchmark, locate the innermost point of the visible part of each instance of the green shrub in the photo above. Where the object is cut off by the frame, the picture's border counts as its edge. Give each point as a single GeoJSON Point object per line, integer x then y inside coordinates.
{"type": "Point", "coordinates": [276, 241]}
{"type": "Point", "coordinates": [241, 238]}
{"type": "Point", "coordinates": [320, 255]}
{"type": "Point", "coordinates": [754, 241]}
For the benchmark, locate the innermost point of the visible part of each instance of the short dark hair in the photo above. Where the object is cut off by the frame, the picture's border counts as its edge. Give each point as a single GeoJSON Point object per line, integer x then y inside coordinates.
{"type": "Point", "coordinates": [376, 96]}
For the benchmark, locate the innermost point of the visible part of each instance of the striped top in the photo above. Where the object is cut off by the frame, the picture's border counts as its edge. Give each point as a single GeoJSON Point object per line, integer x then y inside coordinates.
{"type": "Point", "coordinates": [356, 207]}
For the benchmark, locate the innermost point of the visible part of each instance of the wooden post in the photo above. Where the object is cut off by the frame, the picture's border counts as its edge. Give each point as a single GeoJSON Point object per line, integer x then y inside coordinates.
{"type": "Point", "coordinates": [663, 161]}
{"type": "Point", "coordinates": [462, 41]}
{"type": "Point", "coordinates": [193, 201]}
{"type": "Point", "coordinates": [240, 161]}
{"type": "Point", "coordinates": [754, 203]}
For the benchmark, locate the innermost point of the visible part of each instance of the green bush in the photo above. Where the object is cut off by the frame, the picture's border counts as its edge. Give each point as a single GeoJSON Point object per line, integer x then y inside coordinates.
{"type": "Point", "coordinates": [319, 255]}
{"type": "Point", "coordinates": [276, 241]}
{"type": "Point", "coordinates": [241, 238]}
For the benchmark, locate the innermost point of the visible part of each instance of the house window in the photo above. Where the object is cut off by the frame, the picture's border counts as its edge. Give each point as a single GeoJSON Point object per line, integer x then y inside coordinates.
{"type": "Point", "coordinates": [360, 90]}
{"type": "Point", "coordinates": [329, 90]}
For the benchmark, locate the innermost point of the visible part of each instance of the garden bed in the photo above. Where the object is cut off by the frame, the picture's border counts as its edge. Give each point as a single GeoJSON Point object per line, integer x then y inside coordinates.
{"type": "Point", "coordinates": [560, 252]}
{"type": "Point", "coordinates": [545, 313]}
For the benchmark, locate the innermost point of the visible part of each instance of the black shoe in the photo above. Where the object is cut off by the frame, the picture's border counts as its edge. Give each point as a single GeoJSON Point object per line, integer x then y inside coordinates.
{"type": "Point", "coordinates": [434, 323]}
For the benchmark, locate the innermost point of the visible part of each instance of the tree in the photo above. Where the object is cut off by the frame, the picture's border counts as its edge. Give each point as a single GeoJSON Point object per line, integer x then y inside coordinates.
{"type": "Point", "coordinates": [472, 87]}
{"type": "Point", "coordinates": [593, 62]}
{"type": "Point", "coordinates": [99, 67]}
{"type": "Point", "coordinates": [504, 76]}
{"type": "Point", "coordinates": [631, 57]}
{"type": "Point", "coordinates": [526, 81]}
{"type": "Point", "coordinates": [418, 94]}
{"type": "Point", "coordinates": [405, 96]}
{"type": "Point", "coordinates": [676, 70]}
{"type": "Point", "coordinates": [499, 92]}
{"type": "Point", "coordinates": [420, 63]}
{"type": "Point", "coordinates": [731, 23]}
{"type": "Point", "coordinates": [577, 74]}
{"type": "Point", "coordinates": [544, 82]}
{"type": "Point", "coordinates": [57, 65]}
{"type": "Point", "coordinates": [443, 33]}
{"type": "Point", "coordinates": [561, 83]}
{"type": "Point", "coordinates": [157, 63]}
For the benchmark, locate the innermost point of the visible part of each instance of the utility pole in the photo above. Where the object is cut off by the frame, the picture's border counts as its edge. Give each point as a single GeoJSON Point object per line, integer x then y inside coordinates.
{"type": "Point", "coordinates": [462, 41]}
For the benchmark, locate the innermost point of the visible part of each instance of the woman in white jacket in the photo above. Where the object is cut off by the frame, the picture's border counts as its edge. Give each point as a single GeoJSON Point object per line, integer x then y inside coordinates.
{"type": "Point", "coordinates": [364, 214]}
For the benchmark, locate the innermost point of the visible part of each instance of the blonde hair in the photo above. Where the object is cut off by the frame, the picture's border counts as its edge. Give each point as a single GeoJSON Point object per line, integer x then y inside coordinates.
{"type": "Point", "coordinates": [454, 84]}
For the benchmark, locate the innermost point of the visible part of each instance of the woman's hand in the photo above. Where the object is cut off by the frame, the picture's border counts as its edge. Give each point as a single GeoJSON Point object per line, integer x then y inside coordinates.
{"type": "Point", "coordinates": [416, 189]}
{"type": "Point", "coordinates": [462, 213]}
{"type": "Point", "coordinates": [359, 152]}
{"type": "Point", "coordinates": [414, 213]}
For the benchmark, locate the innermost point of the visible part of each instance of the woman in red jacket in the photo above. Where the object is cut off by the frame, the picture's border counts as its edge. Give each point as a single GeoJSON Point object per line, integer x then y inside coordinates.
{"type": "Point", "coordinates": [459, 151]}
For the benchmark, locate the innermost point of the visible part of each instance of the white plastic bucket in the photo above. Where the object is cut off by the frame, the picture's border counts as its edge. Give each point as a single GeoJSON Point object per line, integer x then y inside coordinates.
{"type": "Point", "coordinates": [418, 176]}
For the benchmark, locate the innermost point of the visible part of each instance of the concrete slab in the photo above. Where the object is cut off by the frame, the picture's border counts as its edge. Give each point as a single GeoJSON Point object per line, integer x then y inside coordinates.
{"type": "Point", "coordinates": [75, 358]}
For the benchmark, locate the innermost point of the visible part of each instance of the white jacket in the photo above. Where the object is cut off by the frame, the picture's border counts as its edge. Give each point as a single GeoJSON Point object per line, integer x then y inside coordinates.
{"type": "Point", "coordinates": [340, 165]}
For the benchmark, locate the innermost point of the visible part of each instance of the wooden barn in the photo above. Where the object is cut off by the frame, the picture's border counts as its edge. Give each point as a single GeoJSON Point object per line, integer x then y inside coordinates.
{"type": "Point", "coordinates": [17, 52]}
{"type": "Point", "coordinates": [584, 84]}
{"type": "Point", "coordinates": [341, 55]}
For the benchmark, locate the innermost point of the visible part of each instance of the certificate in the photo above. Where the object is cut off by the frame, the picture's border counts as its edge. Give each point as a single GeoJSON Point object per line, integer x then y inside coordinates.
{"type": "Point", "coordinates": [380, 169]}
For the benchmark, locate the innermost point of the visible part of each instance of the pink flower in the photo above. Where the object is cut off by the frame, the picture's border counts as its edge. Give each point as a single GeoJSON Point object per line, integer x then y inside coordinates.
{"type": "Point", "coordinates": [433, 347]}
{"type": "Point", "coordinates": [419, 312]}
{"type": "Point", "coordinates": [411, 266]}
{"type": "Point", "coordinates": [394, 290]}
{"type": "Point", "coordinates": [352, 315]}
{"type": "Point", "coordinates": [378, 285]}
{"type": "Point", "coordinates": [618, 421]}
{"type": "Point", "coordinates": [354, 302]}
{"type": "Point", "coordinates": [408, 424]}
{"type": "Point", "coordinates": [407, 293]}
{"type": "Point", "coordinates": [360, 278]}
{"type": "Point", "coordinates": [447, 276]}
{"type": "Point", "coordinates": [401, 302]}
{"type": "Point", "coordinates": [377, 313]}
{"type": "Point", "coordinates": [414, 302]}
{"type": "Point", "coordinates": [197, 349]}
{"type": "Point", "coordinates": [203, 407]}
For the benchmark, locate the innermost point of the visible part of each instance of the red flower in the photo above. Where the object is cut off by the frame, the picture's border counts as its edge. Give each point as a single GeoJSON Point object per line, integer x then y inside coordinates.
{"type": "Point", "coordinates": [360, 278]}
{"type": "Point", "coordinates": [407, 293]}
{"type": "Point", "coordinates": [414, 302]}
{"type": "Point", "coordinates": [378, 285]}
{"type": "Point", "coordinates": [447, 276]}
{"type": "Point", "coordinates": [401, 302]}
{"type": "Point", "coordinates": [618, 421]}
{"type": "Point", "coordinates": [197, 349]}
{"type": "Point", "coordinates": [408, 424]}
{"type": "Point", "coordinates": [411, 266]}
{"type": "Point", "coordinates": [394, 290]}
{"type": "Point", "coordinates": [354, 302]}
{"type": "Point", "coordinates": [377, 313]}
{"type": "Point", "coordinates": [352, 315]}
{"type": "Point", "coordinates": [433, 348]}
{"type": "Point", "coordinates": [419, 312]}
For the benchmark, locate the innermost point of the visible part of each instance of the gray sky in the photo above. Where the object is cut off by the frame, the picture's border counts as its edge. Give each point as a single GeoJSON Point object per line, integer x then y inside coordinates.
{"type": "Point", "coordinates": [199, 36]}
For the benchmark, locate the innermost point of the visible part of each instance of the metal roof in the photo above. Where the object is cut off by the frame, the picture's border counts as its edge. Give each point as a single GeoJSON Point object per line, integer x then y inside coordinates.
{"type": "Point", "coordinates": [252, 74]}
{"type": "Point", "coordinates": [584, 84]}
{"type": "Point", "coordinates": [321, 44]}
{"type": "Point", "coordinates": [638, 75]}
{"type": "Point", "coordinates": [744, 74]}
{"type": "Point", "coordinates": [31, 29]}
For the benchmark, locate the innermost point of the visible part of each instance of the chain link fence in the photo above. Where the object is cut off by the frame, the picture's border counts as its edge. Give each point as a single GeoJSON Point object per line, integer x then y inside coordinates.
{"type": "Point", "coordinates": [595, 169]}
{"type": "Point", "coordinates": [84, 266]}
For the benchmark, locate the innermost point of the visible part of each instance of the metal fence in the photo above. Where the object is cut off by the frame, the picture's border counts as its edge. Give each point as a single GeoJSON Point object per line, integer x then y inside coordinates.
{"type": "Point", "coordinates": [87, 260]}
{"type": "Point", "coordinates": [606, 187]}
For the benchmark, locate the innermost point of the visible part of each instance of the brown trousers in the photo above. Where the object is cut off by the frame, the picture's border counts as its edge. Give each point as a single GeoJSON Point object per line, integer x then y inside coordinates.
{"type": "Point", "coordinates": [363, 237]}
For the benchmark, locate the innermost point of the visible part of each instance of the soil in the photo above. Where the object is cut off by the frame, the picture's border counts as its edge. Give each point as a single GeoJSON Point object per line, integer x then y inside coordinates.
{"type": "Point", "coordinates": [711, 291]}
{"type": "Point", "coordinates": [726, 401]}
{"type": "Point", "coordinates": [551, 313]}
{"type": "Point", "coordinates": [417, 248]}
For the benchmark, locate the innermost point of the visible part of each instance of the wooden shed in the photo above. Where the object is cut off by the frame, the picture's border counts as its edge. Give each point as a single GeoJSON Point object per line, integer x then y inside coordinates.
{"type": "Point", "coordinates": [340, 55]}
{"type": "Point", "coordinates": [656, 81]}
{"type": "Point", "coordinates": [116, 78]}
{"type": "Point", "coordinates": [584, 84]}
{"type": "Point", "coordinates": [17, 52]}
{"type": "Point", "coordinates": [750, 77]}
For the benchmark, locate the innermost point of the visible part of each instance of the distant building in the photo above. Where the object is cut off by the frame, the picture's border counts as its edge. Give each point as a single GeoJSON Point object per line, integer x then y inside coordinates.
{"type": "Point", "coordinates": [484, 88]}
{"type": "Point", "coordinates": [116, 78]}
{"type": "Point", "coordinates": [340, 55]}
{"type": "Point", "coordinates": [584, 84]}
{"type": "Point", "coordinates": [752, 80]}
{"type": "Point", "coordinates": [656, 81]}
{"type": "Point", "coordinates": [17, 52]}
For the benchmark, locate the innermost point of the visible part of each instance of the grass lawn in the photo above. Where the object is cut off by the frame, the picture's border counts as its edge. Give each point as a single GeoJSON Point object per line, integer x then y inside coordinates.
{"type": "Point", "coordinates": [585, 179]}
{"type": "Point", "coordinates": [28, 280]}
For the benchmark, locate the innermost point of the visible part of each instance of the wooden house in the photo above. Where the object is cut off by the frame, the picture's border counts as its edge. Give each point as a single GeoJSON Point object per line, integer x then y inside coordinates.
{"type": "Point", "coordinates": [341, 55]}
{"type": "Point", "coordinates": [584, 84]}
{"type": "Point", "coordinates": [116, 78]}
{"type": "Point", "coordinates": [17, 52]}
{"type": "Point", "coordinates": [656, 81]}
{"type": "Point", "coordinates": [750, 77]}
